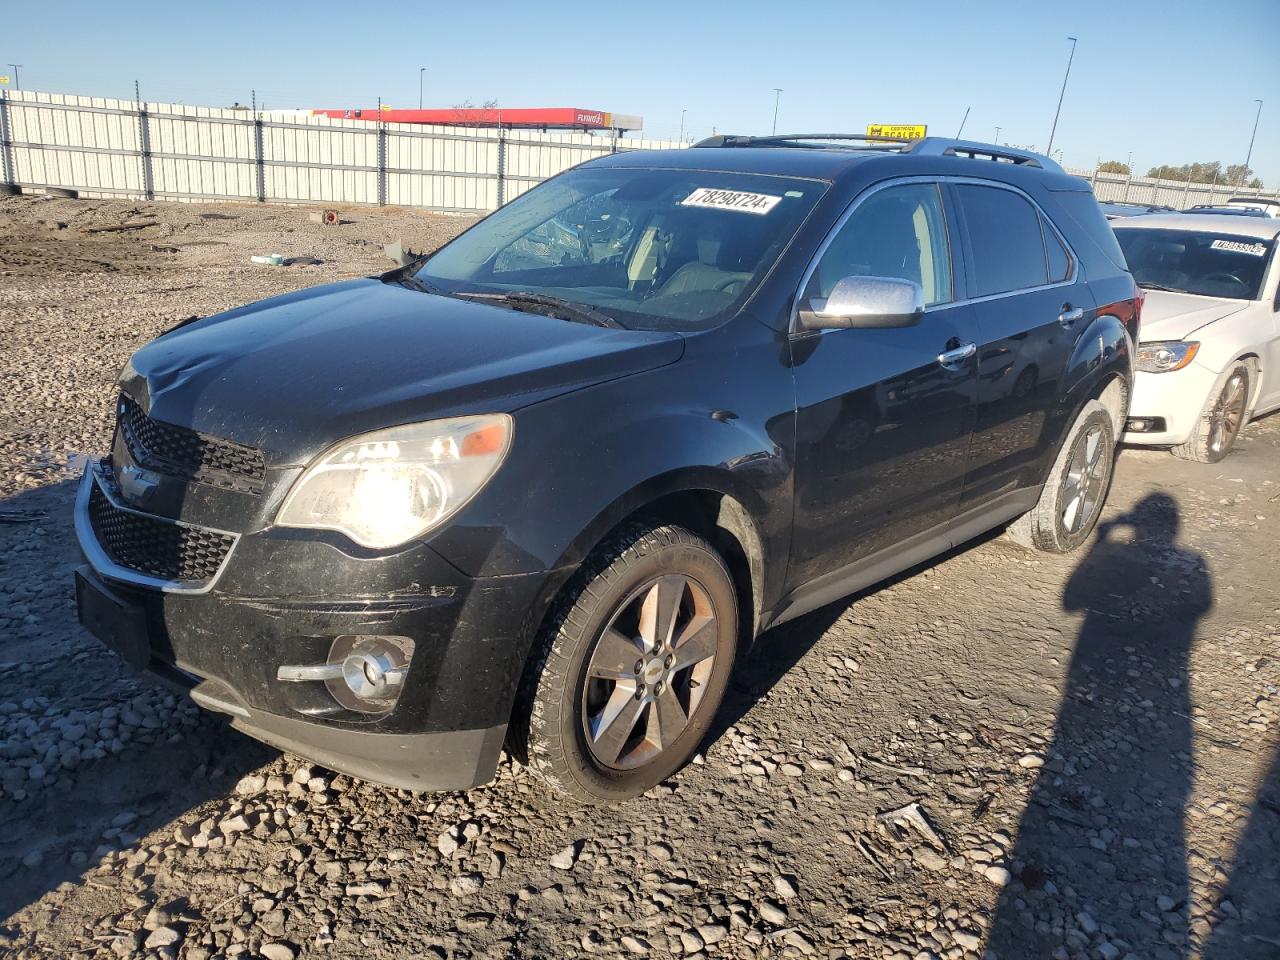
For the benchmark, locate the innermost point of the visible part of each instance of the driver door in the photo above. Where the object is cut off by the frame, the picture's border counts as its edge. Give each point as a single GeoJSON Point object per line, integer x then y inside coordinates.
{"type": "Point", "coordinates": [884, 416]}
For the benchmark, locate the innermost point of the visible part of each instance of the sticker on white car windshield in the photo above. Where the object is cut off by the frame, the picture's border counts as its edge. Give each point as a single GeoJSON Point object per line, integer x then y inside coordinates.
{"type": "Point", "coordinates": [1239, 246]}
{"type": "Point", "coordinates": [730, 200]}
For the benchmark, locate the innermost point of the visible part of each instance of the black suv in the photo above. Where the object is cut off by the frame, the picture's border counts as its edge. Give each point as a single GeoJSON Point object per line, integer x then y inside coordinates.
{"type": "Point", "coordinates": [542, 486]}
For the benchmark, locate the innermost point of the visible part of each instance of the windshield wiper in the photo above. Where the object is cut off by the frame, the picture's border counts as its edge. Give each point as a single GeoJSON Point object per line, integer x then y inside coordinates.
{"type": "Point", "coordinates": [552, 306]}
{"type": "Point", "coordinates": [1158, 286]}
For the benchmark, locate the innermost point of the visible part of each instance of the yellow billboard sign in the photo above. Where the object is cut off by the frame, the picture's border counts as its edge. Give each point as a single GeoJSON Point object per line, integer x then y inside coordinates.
{"type": "Point", "coordinates": [897, 131]}
{"type": "Point", "coordinates": [3, 78]}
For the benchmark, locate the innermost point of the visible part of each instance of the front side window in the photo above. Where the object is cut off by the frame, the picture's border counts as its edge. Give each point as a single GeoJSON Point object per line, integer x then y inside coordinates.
{"type": "Point", "coordinates": [897, 232]}
{"type": "Point", "coordinates": [654, 249]}
{"type": "Point", "coordinates": [1004, 239]}
{"type": "Point", "coordinates": [1196, 262]}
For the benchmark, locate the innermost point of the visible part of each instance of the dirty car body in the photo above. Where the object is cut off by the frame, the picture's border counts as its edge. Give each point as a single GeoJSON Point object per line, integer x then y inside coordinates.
{"type": "Point", "coordinates": [820, 460]}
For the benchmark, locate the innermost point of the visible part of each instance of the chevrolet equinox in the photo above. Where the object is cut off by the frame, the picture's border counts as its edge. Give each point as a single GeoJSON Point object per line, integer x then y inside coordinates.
{"type": "Point", "coordinates": [540, 488]}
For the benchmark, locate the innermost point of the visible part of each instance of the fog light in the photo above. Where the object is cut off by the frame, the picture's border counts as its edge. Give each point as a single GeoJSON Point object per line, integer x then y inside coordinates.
{"type": "Point", "coordinates": [362, 673]}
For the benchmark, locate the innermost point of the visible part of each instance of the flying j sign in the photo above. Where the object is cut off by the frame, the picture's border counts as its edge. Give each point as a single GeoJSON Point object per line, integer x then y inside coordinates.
{"type": "Point", "coordinates": [897, 131]}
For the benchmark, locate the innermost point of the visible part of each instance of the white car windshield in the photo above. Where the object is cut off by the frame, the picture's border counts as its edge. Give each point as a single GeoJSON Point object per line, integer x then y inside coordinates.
{"type": "Point", "coordinates": [652, 249]}
{"type": "Point", "coordinates": [1193, 261]}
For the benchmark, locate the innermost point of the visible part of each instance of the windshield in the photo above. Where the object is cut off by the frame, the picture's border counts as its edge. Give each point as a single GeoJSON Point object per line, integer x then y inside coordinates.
{"type": "Point", "coordinates": [654, 249]}
{"type": "Point", "coordinates": [1190, 261]}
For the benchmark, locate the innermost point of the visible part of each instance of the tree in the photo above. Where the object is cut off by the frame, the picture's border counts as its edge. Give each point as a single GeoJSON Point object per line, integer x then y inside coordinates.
{"type": "Point", "coordinates": [1236, 175]}
{"type": "Point", "coordinates": [1114, 166]}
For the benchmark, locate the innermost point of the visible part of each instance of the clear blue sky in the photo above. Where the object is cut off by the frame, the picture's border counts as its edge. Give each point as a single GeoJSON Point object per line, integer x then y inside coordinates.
{"type": "Point", "coordinates": [1163, 80]}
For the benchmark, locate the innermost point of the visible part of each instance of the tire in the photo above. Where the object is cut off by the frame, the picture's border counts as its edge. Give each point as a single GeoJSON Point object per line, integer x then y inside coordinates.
{"type": "Point", "coordinates": [1221, 420]}
{"type": "Point", "coordinates": [65, 192]}
{"type": "Point", "coordinates": [589, 721]}
{"type": "Point", "coordinates": [1066, 514]}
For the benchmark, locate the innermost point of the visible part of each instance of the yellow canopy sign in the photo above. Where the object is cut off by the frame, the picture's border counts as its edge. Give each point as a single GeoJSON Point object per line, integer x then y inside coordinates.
{"type": "Point", "coordinates": [897, 131]}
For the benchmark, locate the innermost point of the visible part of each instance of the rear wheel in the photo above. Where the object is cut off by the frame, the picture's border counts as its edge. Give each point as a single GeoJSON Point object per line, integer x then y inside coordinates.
{"type": "Point", "coordinates": [631, 670]}
{"type": "Point", "coordinates": [1221, 419]}
{"type": "Point", "coordinates": [1072, 498]}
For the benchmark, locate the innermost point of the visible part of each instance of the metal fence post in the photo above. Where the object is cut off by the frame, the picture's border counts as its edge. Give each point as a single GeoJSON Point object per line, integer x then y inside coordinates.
{"type": "Point", "coordinates": [1185, 190]}
{"type": "Point", "coordinates": [261, 172]}
{"type": "Point", "coordinates": [1128, 182]}
{"type": "Point", "coordinates": [382, 158]}
{"type": "Point", "coordinates": [6, 147]}
{"type": "Point", "coordinates": [502, 167]}
{"type": "Point", "coordinates": [144, 145]}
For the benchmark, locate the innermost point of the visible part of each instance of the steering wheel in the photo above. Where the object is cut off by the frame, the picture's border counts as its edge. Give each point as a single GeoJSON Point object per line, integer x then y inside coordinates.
{"type": "Point", "coordinates": [1227, 278]}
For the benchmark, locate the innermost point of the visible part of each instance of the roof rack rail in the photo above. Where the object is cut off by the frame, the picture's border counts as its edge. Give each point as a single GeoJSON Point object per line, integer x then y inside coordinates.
{"type": "Point", "coordinates": [927, 147]}
{"type": "Point", "coordinates": [797, 139]}
{"type": "Point", "coordinates": [947, 147]}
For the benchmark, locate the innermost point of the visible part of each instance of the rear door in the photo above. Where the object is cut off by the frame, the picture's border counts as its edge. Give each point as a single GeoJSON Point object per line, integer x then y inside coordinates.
{"type": "Point", "coordinates": [1031, 303]}
{"type": "Point", "coordinates": [884, 415]}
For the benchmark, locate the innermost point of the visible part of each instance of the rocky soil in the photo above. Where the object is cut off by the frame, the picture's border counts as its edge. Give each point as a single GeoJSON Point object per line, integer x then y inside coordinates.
{"type": "Point", "coordinates": [999, 754]}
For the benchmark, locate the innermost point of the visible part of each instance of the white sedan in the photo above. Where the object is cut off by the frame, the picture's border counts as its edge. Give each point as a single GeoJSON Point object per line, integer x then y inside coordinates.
{"type": "Point", "coordinates": [1209, 353]}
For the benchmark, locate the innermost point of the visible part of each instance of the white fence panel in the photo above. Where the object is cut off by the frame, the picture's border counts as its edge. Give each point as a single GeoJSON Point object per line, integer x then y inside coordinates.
{"type": "Point", "coordinates": [104, 147]}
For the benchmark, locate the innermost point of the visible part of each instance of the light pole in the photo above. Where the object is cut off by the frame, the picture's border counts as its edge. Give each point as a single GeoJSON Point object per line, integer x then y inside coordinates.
{"type": "Point", "coordinates": [16, 84]}
{"type": "Point", "coordinates": [421, 70]}
{"type": "Point", "coordinates": [1248, 156]}
{"type": "Point", "coordinates": [682, 113]}
{"type": "Point", "coordinates": [1062, 94]}
{"type": "Point", "coordinates": [777, 95]}
{"type": "Point", "coordinates": [997, 136]}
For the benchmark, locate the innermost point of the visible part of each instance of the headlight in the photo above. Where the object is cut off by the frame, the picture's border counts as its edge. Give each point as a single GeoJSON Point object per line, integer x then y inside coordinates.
{"type": "Point", "coordinates": [1161, 356]}
{"type": "Point", "coordinates": [383, 489]}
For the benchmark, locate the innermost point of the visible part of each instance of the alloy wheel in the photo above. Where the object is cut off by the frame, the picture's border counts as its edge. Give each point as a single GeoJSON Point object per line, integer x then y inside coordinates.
{"type": "Point", "coordinates": [648, 671]}
{"type": "Point", "coordinates": [1083, 480]}
{"type": "Point", "coordinates": [1227, 415]}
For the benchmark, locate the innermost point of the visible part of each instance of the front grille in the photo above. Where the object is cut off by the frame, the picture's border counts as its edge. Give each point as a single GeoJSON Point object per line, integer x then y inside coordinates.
{"type": "Point", "coordinates": [159, 548]}
{"type": "Point", "coordinates": [177, 451]}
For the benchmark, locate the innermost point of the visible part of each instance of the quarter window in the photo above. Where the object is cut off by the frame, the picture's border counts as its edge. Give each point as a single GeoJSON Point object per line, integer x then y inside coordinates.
{"type": "Point", "coordinates": [897, 232]}
{"type": "Point", "coordinates": [1058, 259]}
{"type": "Point", "coordinates": [1004, 237]}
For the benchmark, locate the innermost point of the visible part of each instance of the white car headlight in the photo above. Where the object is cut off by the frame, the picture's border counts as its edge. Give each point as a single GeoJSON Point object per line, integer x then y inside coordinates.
{"type": "Point", "coordinates": [1161, 356]}
{"type": "Point", "coordinates": [383, 489]}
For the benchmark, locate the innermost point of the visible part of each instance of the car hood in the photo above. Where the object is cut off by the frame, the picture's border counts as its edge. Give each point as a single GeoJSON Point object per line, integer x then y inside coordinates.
{"type": "Point", "coordinates": [295, 373]}
{"type": "Point", "coordinates": [1174, 316]}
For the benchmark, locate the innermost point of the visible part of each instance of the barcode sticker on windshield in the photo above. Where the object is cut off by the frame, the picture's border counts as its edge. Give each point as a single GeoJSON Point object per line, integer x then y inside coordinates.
{"type": "Point", "coordinates": [731, 200]}
{"type": "Point", "coordinates": [1239, 246]}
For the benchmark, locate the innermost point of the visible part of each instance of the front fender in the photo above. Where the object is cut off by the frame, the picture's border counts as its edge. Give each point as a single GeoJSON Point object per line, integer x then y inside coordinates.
{"type": "Point", "coordinates": [582, 462]}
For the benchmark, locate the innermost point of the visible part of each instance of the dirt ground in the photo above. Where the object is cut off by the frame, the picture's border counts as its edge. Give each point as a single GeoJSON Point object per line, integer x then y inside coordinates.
{"type": "Point", "coordinates": [1091, 743]}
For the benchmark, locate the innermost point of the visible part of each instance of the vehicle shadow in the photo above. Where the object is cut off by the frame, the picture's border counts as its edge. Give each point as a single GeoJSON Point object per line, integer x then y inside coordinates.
{"type": "Point", "coordinates": [776, 651]}
{"type": "Point", "coordinates": [92, 757]}
{"type": "Point", "coordinates": [1102, 846]}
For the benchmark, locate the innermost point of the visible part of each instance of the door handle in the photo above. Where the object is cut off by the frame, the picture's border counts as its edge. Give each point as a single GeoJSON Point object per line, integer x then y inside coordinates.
{"type": "Point", "coordinates": [1069, 316]}
{"type": "Point", "coordinates": [951, 357]}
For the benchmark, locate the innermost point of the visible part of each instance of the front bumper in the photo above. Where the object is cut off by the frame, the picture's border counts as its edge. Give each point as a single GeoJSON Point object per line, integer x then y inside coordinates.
{"type": "Point", "coordinates": [282, 598]}
{"type": "Point", "coordinates": [1177, 398]}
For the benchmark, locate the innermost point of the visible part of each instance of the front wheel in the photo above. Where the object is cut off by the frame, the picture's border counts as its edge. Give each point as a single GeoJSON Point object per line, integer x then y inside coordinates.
{"type": "Point", "coordinates": [1072, 498]}
{"type": "Point", "coordinates": [1220, 421]}
{"type": "Point", "coordinates": [630, 671]}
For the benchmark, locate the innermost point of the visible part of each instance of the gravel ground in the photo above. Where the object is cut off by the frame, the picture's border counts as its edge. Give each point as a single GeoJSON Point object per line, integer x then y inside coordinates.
{"type": "Point", "coordinates": [999, 753]}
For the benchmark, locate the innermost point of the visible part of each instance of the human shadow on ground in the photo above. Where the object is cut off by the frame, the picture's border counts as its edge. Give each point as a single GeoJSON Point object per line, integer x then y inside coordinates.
{"type": "Point", "coordinates": [1100, 862]}
{"type": "Point", "coordinates": [1248, 925]}
{"type": "Point", "coordinates": [60, 827]}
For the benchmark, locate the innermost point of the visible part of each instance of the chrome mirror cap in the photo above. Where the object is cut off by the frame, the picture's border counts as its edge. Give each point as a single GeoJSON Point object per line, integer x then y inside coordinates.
{"type": "Point", "coordinates": [866, 302]}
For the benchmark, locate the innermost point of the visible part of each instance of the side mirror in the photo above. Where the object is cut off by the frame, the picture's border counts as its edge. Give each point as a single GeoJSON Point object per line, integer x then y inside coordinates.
{"type": "Point", "coordinates": [866, 302]}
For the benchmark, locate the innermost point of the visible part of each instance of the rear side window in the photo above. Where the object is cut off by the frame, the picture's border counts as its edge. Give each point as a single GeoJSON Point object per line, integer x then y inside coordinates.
{"type": "Point", "coordinates": [1056, 256]}
{"type": "Point", "coordinates": [1004, 238]}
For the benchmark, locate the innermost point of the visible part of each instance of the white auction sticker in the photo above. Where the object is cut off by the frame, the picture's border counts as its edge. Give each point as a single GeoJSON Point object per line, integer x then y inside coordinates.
{"type": "Point", "coordinates": [1239, 246]}
{"type": "Point", "coordinates": [730, 200]}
